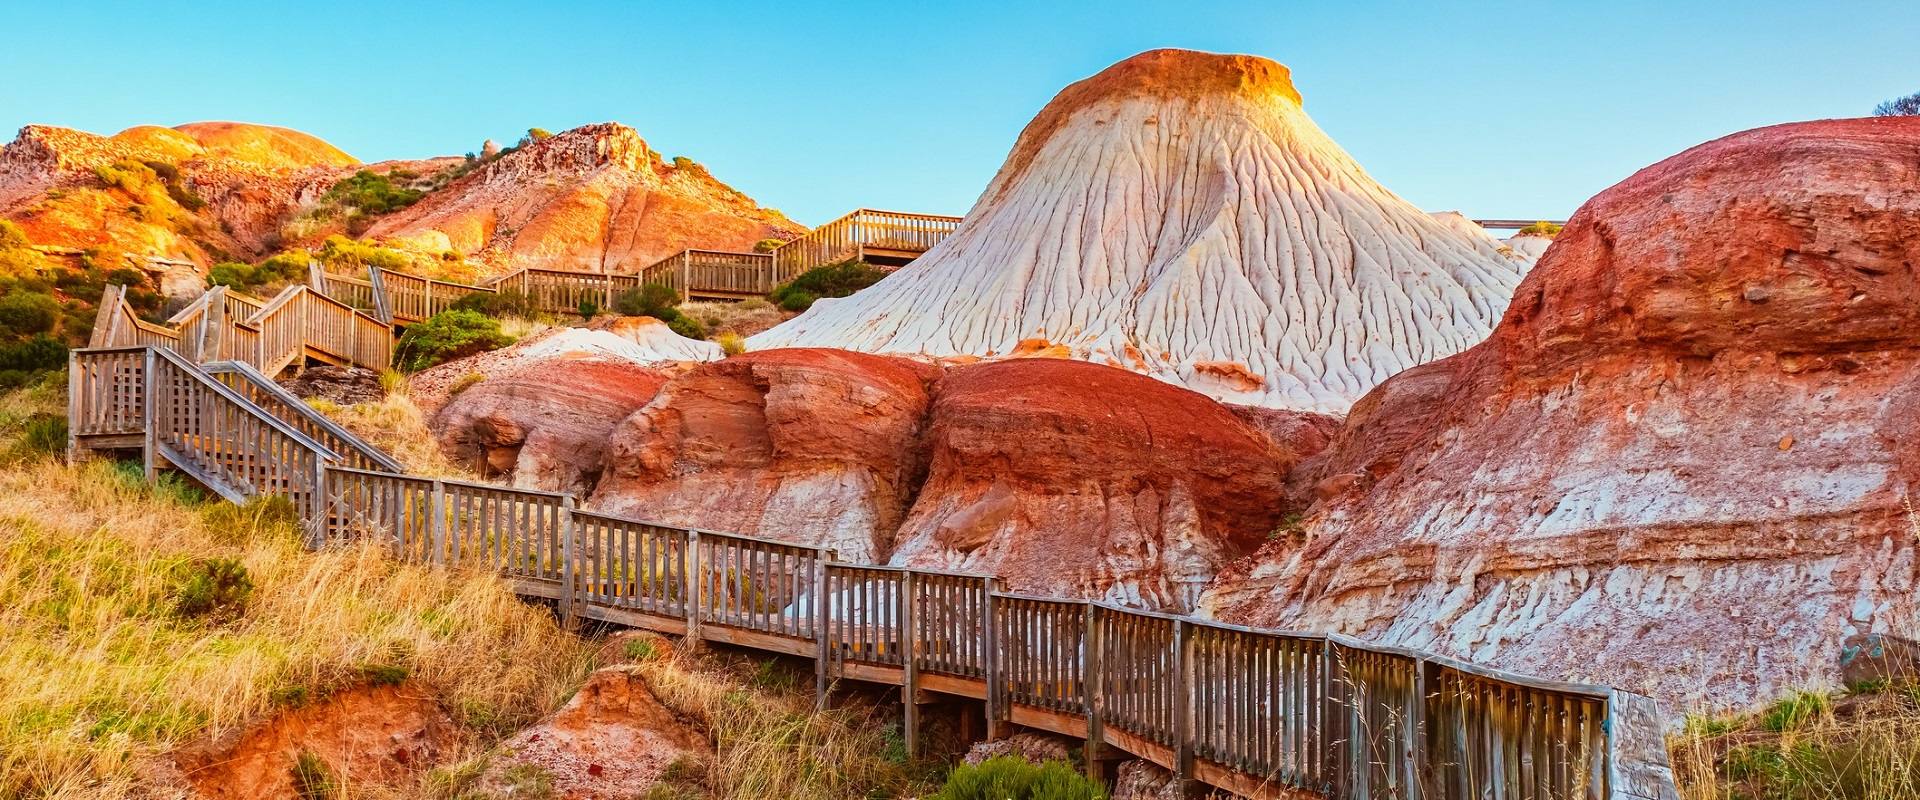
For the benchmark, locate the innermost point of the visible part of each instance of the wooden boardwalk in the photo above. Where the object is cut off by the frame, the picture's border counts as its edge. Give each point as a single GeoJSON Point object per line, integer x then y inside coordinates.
{"type": "Point", "coordinates": [1265, 714]}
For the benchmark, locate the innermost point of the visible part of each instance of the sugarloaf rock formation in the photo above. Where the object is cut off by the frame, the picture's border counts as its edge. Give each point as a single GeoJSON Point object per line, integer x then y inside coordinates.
{"type": "Point", "coordinates": [593, 199]}
{"type": "Point", "coordinates": [1070, 479]}
{"type": "Point", "coordinates": [1696, 431]}
{"type": "Point", "coordinates": [1179, 215]}
{"type": "Point", "coordinates": [816, 447]}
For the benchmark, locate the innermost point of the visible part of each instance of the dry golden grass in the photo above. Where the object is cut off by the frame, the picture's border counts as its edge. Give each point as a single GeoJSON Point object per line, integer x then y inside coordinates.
{"type": "Point", "coordinates": [744, 318]}
{"type": "Point", "coordinates": [1861, 746]}
{"type": "Point", "coordinates": [396, 425]}
{"type": "Point", "coordinates": [771, 742]}
{"type": "Point", "coordinates": [100, 671]}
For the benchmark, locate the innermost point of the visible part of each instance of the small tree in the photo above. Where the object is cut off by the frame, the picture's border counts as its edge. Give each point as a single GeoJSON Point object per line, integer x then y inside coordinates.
{"type": "Point", "coordinates": [1908, 106]}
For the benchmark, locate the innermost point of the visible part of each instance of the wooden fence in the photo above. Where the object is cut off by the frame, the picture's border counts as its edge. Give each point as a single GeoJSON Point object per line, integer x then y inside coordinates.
{"type": "Point", "coordinates": [863, 234]}
{"type": "Point", "coordinates": [713, 274]}
{"type": "Point", "coordinates": [1259, 713]}
{"type": "Point", "coordinates": [223, 325]}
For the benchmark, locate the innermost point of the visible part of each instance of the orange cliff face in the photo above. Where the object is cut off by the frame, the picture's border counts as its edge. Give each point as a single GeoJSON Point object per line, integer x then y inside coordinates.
{"type": "Point", "coordinates": [594, 198]}
{"type": "Point", "coordinates": [587, 199]}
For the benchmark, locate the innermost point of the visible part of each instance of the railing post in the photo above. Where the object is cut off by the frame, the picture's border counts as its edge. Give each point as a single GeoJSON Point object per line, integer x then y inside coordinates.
{"type": "Point", "coordinates": [437, 525]}
{"type": "Point", "coordinates": [1183, 738]}
{"type": "Point", "coordinates": [821, 630]}
{"type": "Point", "coordinates": [1093, 673]}
{"type": "Point", "coordinates": [318, 506]}
{"type": "Point", "coordinates": [909, 659]}
{"type": "Point", "coordinates": [695, 589]}
{"type": "Point", "coordinates": [569, 581]}
{"type": "Point", "coordinates": [997, 726]}
{"type": "Point", "coordinates": [152, 437]}
{"type": "Point", "coordinates": [1336, 730]}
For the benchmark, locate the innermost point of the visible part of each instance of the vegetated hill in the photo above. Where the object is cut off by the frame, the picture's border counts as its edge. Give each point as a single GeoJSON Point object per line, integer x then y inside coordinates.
{"type": "Point", "coordinates": [595, 198]}
{"type": "Point", "coordinates": [180, 200]}
{"type": "Point", "coordinates": [1179, 215]}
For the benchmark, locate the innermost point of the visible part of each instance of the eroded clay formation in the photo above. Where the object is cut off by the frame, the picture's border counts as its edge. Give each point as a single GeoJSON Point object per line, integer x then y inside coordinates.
{"type": "Point", "coordinates": [1179, 215]}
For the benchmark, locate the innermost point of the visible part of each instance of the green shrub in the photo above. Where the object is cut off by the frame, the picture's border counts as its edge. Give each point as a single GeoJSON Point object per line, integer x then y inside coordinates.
{"type": "Point", "coordinates": [11, 237]}
{"type": "Point", "coordinates": [369, 193]}
{"type": "Point", "coordinates": [655, 300]}
{"type": "Point", "coordinates": [1794, 711]}
{"type": "Point", "coordinates": [1012, 778]}
{"type": "Point", "coordinates": [236, 275]}
{"type": "Point", "coordinates": [1541, 228]}
{"type": "Point", "coordinates": [177, 187]}
{"type": "Point", "coordinates": [383, 674]}
{"type": "Point", "coordinates": [589, 308]}
{"type": "Point", "coordinates": [639, 650]}
{"type": "Point", "coordinates": [767, 245]}
{"type": "Point", "coordinates": [42, 352]}
{"type": "Point", "coordinates": [312, 780]}
{"type": "Point", "coordinates": [687, 326]}
{"type": "Point", "coordinates": [213, 588]}
{"type": "Point", "coordinates": [537, 134]}
{"type": "Point", "coordinates": [132, 177]}
{"type": "Point", "coordinates": [28, 313]}
{"type": "Point", "coordinates": [450, 334]}
{"type": "Point", "coordinates": [839, 279]}
{"type": "Point", "coordinates": [796, 299]}
{"type": "Point", "coordinates": [497, 304]}
{"type": "Point", "coordinates": [44, 435]}
{"type": "Point", "coordinates": [339, 250]}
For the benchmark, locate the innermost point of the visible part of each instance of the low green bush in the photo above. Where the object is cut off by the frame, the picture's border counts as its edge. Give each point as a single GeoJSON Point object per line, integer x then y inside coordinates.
{"type": "Point", "coordinates": [1012, 778]}
{"type": "Point", "coordinates": [588, 308]}
{"type": "Point", "coordinates": [370, 193]}
{"type": "Point", "coordinates": [40, 353]}
{"type": "Point", "coordinates": [767, 245]}
{"type": "Point", "coordinates": [497, 304]}
{"type": "Point", "coordinates": [1541, 228]}
{"type": "Point", "coordinates": [213, 588]}
{"type": "Point", "coordinates": [28, 313]}
{"type": "Point", "coordinates": [339, 250]}
{"type": "Point", "coordinates": [656, 300]}
{"type": "Point", "coordinates": [687, 326]}
{"type": "Point", "coordinates": [840, 279]}
{"type": "Point", "coordinates": [449, 335]}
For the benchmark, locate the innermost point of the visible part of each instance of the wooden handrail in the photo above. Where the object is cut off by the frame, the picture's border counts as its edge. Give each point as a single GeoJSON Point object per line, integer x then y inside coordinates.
{"type": "Point", "coordinates": [1261, 713]}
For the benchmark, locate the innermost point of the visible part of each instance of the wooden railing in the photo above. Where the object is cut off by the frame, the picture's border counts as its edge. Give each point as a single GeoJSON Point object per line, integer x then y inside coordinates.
{"type": "Point", "coordinates": [713, 273]}
{"type": "Point", "coordinates": [854, 235]}
{"type": "Point", "coordinates": [224, 325]}
{"type": "Point", "coordinates": [410, 298]}
{"type": "Point", "coordinates": [1259, 713]}
{"type": "Point", "coordinates": [249, 383]}
{"type": "Point", "coordinates": [560, 292]}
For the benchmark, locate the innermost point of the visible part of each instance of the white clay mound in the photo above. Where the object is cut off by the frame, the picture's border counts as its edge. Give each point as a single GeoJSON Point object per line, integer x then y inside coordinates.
{"type": "Point", "coordinates": [640, 343]}
{"type": "Point", "coordinates": [1179, 215]}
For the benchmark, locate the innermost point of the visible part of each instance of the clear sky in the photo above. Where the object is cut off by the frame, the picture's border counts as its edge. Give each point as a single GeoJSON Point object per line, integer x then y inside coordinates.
{"type": "Point", "coordinates": [1494, 109]}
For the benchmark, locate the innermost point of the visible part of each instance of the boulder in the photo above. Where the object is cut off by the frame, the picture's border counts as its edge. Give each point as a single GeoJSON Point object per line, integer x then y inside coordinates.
{"type": "Point", "coordinates": [613, 739]}
{"type": "Point", "coordinates": [1078, 480]}
{"type": "Point", "coordinates": [1695, 431]}
{"type": "Point", "coordinates": [544, 425]}
{"type": "Point", "coordinates": [816, 447]}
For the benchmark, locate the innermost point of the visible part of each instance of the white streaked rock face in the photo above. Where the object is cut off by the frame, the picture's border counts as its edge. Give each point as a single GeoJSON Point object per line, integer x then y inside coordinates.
{"type": "Point", "coordinates": [1179, 215]}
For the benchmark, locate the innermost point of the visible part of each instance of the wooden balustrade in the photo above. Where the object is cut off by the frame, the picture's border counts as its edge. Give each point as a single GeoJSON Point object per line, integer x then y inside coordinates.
{"type": "Point", "coordinates": [283, 405]}
{"type": "Point", "coordinates": [1259, 713]}
{"type": "Point", "coordinates": [713, 273]}
{"type": "Point", "coordinates": [864, 234]}
{"type": "Point", "coordinates": [410, 298]}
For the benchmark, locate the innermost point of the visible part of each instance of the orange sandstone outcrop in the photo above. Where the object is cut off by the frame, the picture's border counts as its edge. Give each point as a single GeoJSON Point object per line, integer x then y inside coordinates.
{"type": "Point", "coordinates": [592, 199]}
{"type": "Point", "coordinates": [545, 425]}
{"type": "Point", "coordinates": [817, 447]}
{"type": "Point", "coordinates": [613, 739]}
{"type": "Point", "coordinates": [1696, 431]}
{"type": "Point", "coordinates": [1079, 480]}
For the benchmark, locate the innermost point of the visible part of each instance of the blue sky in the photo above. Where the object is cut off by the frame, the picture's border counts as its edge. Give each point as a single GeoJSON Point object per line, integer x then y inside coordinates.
{"type": "Point", "coordinates": [1495, 109]}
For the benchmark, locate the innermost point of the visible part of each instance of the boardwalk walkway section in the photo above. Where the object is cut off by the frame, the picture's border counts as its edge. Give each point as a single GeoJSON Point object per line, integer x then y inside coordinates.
{"type": "Point", "coordinates": [1259, 713]}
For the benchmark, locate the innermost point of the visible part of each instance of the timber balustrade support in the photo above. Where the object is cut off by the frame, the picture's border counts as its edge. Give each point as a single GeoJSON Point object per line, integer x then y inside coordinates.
{"type": "Point", "coordinates": [998, 727]}
{"type": "Point", "coordinates": [822, 635]}
{"type": "Point", "coordinates": [1183, 735]}
{"type": "Point", "coordinates": [320, 509]}
{"type": "Point", "coordinates": [437, 525]}
{"type": "Point", "coordinates": [569, 580]}
{"type": "Point", "coordinates": [695, 591]}
{"type": "Point", "coordinates": [909, 660]}
{"type": "Point", "coordinates": [151, 432]}
{"type": "Point", "coordinates": [1093, 661]}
